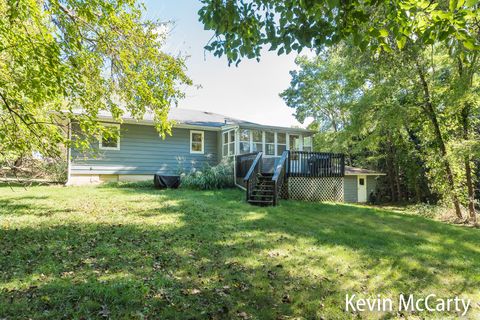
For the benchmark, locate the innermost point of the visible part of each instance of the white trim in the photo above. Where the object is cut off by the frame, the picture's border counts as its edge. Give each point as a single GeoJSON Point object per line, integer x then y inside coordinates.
{"type": "Point", "coordinates": [203, 141]}
{"type": "Point", "coordinates": [237, 142]}
{"type": "Point", "coordinates": [365, 174]}
{"type": "Point", "coordinates": [100, 139]}
{"type": "Point", "coordinates": [265, 144]}
{"type": "Point", "coordinates": [275, 142]}
{"type": "Point", "coordinates": [229, 142]}
{"type": "Point", "coordinates": [189, 126]}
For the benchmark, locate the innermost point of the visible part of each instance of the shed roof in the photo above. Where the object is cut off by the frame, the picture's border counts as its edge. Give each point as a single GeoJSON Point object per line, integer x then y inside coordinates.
{"type": "Point", "coordinates": [353, 171]}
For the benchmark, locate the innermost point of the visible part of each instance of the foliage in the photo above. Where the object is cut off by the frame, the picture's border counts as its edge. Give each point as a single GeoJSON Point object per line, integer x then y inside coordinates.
{"type": "Point", "coordinates": [242, 28]}
{"type": "Point", "coordinates": [66, 60]}
{"type": "Point", "coordinates": [380, 102]}
{"type": "Point", "coordinates": [99, 252]}
{"type": "Point", "coordinates": [30, 169]}
{"type": "Point", "coordinates": [211, 177]}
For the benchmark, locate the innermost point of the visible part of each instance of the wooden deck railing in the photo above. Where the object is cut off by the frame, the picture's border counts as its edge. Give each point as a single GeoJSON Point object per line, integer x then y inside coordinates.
{"type": "Point", "coordinates": [315, 164]}
{"type": "Point", "coordinates": [251, 178]}
{"type": "Point", "coordinates": [243, 163]}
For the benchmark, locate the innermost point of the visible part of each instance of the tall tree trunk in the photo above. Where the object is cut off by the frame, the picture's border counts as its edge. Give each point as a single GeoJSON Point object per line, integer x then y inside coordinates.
{"type": "Point", "coordinates": [432, 115]}
{"type": "Point", "coordinates": [468, 168]}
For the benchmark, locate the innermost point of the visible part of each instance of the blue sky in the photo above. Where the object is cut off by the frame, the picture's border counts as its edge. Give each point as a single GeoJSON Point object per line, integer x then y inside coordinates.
{"type": "Point", "coordinates": [249, 91]}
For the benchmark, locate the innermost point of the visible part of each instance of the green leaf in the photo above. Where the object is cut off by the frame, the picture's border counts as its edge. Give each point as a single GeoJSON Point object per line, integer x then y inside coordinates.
{"type": "Point", "coordinates": [452, 5]}
{"type": "Point", "coordinates": [469, 45]}
{"type": "Point", "coordinates": [401, 42]}
{"type": "Point", "coordinates": [471, 3]}
{"type": "Point", "coordinates": [384, 33]}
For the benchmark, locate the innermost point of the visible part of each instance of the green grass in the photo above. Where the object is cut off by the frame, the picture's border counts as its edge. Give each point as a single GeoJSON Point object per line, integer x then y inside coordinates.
{"type": "Point", "coordinates": [108, 252]}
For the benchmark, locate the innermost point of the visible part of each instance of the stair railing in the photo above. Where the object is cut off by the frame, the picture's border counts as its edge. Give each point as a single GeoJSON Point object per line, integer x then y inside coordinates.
{"type": "Point", "coordinates": [279, 176]}
{"type": "Point", "coordinates": [251, 179]}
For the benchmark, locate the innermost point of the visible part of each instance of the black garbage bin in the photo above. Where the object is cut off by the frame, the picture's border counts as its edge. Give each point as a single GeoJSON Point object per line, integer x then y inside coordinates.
{"type": "Point", "coordinates": [162, 181]}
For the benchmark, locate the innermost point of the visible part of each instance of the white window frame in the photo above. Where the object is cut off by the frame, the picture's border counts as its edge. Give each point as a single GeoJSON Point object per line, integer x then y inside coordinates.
{"type": "Point", "coordinates": [280, 144]}
{"type": "Point", "coordinates": [300, 137]}
{"type": "Point", "coordinates": [308, 146]}
{"type": "Point", "coordinates": [100, 138]}
{"type": "Point", "coordinates": [202, 133]}
{"type": "Point", "coordinates": [229, 143]}
{"type": "Point", "coordinates": [257, 142]}
{"type": "Point", "coordinates": [265, 144]}
{"type": "Point", "coordinates": [249, 141]}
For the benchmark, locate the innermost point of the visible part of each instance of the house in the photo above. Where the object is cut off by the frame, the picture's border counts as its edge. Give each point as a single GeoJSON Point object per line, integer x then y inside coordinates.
{"type": "Point", "coordinates": [198, 139]}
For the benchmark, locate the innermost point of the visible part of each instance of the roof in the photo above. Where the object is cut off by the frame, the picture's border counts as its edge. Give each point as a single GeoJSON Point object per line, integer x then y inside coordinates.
{"type": "Point", "coordinates": [352, 171]}
{"type": "Point", "coordinates": [204, 119]}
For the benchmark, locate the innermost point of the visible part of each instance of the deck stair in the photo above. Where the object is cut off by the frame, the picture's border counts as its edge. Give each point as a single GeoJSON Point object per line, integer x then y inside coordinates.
{"type": "Point", "coordinates": [263, 193]}
{"type": "Point", "coordinates": [290, 172]}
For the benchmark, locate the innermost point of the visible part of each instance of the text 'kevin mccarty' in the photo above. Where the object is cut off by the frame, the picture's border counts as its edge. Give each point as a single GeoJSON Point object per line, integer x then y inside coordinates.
{"type": "Point", "coordinates": [429, 303]}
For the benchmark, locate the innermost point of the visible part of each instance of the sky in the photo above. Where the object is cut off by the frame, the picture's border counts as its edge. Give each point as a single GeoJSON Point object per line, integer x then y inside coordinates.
{"type": "Point", "coordinates": [249, 91]}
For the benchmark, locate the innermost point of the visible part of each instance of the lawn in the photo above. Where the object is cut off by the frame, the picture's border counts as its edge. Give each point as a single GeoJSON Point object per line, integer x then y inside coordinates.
{"type": "Point", "coordinates": [105, 252]}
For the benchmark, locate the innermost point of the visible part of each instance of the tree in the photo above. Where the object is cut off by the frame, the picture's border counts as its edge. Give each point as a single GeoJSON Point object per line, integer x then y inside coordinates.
{"type": "Point", "coordinates": [398, 117]}
{"type": "Point", "coordinates": [243, 28]}
{"type": "Point", "coordinates": [67, 60]}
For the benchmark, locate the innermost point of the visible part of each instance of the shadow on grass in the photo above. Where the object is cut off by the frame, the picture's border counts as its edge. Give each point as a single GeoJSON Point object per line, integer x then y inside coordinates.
{"type": "Point", "coordinates": [226, 259]}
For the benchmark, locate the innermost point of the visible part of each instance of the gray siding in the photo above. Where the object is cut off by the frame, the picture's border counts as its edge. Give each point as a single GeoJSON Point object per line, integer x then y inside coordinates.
{"type": "Point", "coordinates": [142, 151]}
{"type": "Point", "coordinates": [371, 185]}
{"type": "Point", "coordinates": [350, 189]}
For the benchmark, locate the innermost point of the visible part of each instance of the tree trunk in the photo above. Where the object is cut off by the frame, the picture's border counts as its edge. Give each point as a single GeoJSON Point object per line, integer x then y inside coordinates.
{"type": "Point", "coordinates": [430, 111]}
{"type": "Point", "coordinates": [468, 168]}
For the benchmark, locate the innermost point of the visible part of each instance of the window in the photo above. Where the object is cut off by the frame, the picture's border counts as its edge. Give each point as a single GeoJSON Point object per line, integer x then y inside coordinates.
{"type": "Point", "coordinates": [281, 143]}
{"type": "Point", "coordinates": [110, 141]}
{"type": "Point", "coordinates": [231, 143]}
{"type": "Point", "coordinates": [244, 141]}
{"type": "Point", "coordinates": [225, 144]}
{"type": "Point", "coordinates": [228, 148]}
{"type": "Point", "coordinates": [307, 143]}
{"type": "Point", "coordinates": [361, 181]}
{"type": "Point", "coordinates": [294, 142]}
{"type": "Point", "coordinates": [270, 143]}
{"type": "Point", "coordinates": [257, 139]}
{"type": "Point", "coordinates": [196, 141]}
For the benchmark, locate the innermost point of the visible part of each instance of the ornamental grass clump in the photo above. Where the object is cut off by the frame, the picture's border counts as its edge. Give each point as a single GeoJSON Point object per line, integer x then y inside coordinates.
{"type": "Point", "coordinates": [209, 178]}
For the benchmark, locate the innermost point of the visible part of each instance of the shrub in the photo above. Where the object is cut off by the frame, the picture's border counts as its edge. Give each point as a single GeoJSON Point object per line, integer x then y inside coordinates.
{"type": "Point", "coordinates": [211, 177]}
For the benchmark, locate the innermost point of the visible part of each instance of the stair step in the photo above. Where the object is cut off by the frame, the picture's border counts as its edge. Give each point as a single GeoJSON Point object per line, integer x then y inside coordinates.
{"type": "Point", "coordinates": [269, 196]}
{"type": "Point", "coordinates": [265, 183]}
{"type": "Point", "coordinates": [264, 191]}
{"type": "Point", "coordinates": [265, 202]}
{"type": "Point", "coordinates": [267, 188]}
